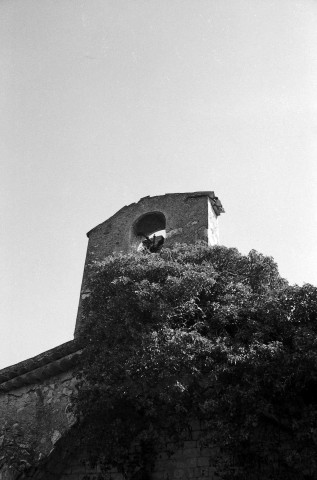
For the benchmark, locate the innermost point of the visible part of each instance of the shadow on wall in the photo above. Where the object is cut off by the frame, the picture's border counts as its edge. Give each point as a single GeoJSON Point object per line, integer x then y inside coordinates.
{"type": "Point", "coordinates": [152, 228]}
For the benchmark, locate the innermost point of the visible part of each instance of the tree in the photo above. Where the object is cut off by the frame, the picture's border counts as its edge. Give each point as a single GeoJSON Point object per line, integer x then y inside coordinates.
{"type": "Point", "coordinates": [200, 333]}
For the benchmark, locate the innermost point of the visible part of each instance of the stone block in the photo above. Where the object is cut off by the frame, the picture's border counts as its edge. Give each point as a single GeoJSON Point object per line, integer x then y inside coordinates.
{"type": "Point", "coordinates": [180, 463]}
{"type": "Point", "coordinates": [206, 451]}
{"type": "Point", "coordinates": [72, 476]}
{"type": "Point", "coordinates": [179, 473]}
{"type": "Point", "coordinates": [196, 434]}
{"type": "Point", "coordinates": [203, 461]}
{"type": "Point", "coordinates": [190, 452]}
{"type": "Point", "coordinates": [156, 476]}
{"type": "Point", "coordinates": [163, 456]}
{"type": "Point", "coordinates": [160, 465]}
{"type": "Point", "coordinates": [191, 462]}
{"type": "Point", "coordinates": [191, 473]}
{"type": "Point", "coordinates": [201, 472]}
{"type": "Point", "coordinates": [190, 444]}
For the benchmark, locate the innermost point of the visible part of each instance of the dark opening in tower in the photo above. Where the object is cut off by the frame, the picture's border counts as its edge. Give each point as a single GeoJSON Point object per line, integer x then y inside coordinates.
{"type": "Point", "coordinates": [151, 229]}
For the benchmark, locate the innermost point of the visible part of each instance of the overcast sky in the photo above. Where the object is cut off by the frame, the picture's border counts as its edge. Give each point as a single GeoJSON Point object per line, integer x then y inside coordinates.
{"type": "Point", "coordinates": [103, 102]}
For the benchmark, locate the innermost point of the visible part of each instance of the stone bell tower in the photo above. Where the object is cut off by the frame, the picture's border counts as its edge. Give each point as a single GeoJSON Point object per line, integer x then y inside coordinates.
{"type": "Point", "coordinates": [179, 217]}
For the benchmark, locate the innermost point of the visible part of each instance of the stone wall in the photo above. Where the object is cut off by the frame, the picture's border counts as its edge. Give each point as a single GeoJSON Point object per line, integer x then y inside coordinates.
{"type": "Point", "coordinates": [34, 417]}
{"type": "Point", "coordinates": [189, 217]}
{"type": "Point", "coordinates": [191, 462]}
{"type": "Point", "coordinates": [35, 407]}
{"type": "Point", "coordinates": [36, 429]}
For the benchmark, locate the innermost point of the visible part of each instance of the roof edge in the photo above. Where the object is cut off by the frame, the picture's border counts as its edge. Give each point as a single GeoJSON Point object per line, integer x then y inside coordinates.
{"type": "Point", "coordinates": [55, 355]}
{"type": "Point", "coordinates": [217, 206]}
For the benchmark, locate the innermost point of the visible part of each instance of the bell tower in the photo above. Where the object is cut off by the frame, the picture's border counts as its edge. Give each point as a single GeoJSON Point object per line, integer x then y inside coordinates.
{"type": "Point", "coordinates": [174, 217]}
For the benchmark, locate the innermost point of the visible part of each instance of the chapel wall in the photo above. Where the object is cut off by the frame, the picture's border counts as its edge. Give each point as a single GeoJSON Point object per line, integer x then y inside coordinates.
{"type": "Point", "coordinates": [34, 417]}
{"type": "Point", "coordinates": [191, 462]}
{"type": "Point", "coordinates": [189, 217]}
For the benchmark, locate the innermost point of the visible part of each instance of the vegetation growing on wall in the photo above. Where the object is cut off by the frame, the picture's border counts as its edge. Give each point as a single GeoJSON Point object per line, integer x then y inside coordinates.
{"type": "Point", "coordinates": [17, 448]}
{"type": "Point", "coordinates": [200, 333]}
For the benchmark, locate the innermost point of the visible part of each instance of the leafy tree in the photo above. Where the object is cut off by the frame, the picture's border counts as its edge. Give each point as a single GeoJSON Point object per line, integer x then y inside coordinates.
{"type": "Point", "coordinates": [200, 333]}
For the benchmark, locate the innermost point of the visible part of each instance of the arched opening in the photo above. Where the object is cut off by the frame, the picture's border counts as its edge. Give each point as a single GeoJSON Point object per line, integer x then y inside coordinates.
{"type": "Point", "coordinates": [150, 223]}
{"type": "Point", "coordinates": [151, 231]}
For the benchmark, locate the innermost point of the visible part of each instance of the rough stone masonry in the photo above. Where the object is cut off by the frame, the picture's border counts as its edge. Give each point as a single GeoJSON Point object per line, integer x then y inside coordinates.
{"type": "Point", "coordinates": [35, 413]}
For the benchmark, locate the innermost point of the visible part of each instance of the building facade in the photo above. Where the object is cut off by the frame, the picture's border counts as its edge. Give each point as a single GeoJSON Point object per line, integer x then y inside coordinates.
{"type": "Point", "coordinates": [36, 420]}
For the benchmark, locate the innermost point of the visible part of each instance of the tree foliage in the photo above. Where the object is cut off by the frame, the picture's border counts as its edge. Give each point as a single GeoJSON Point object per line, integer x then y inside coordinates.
{"type": "Point", "coordinates": [201, 333]}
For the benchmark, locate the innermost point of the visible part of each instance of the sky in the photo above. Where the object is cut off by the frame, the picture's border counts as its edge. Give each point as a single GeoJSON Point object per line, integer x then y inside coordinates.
{"type": "Point", "coordinates": [103, 102]}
